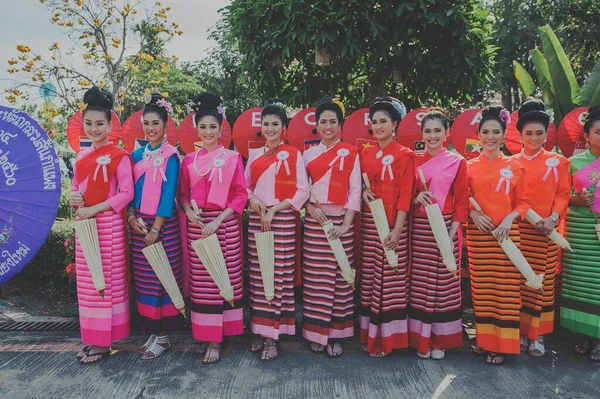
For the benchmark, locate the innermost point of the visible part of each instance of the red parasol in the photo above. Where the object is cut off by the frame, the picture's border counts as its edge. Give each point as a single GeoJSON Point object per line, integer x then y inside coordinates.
{"type": "Point", "coordinates": [133, 129]}
{"type": "Point", "coordinates": [356, 130]}
{"type": "Point", "coordinates": [300, 131]}
{"type": "Point", "coordinates": [246, 131]}
{"type": "Point", "coordinates": [463, 133]}
{"type": "Point", "coordinates": [75, 130]}
{"type": "Point", "coordinates": [570, 133]}
{"type": "Point", "coordinates": [188, 139]}
{"type": "Point", "coordinates": [409, 130]}
{"type": "Point", "coordinates": [512, 139]}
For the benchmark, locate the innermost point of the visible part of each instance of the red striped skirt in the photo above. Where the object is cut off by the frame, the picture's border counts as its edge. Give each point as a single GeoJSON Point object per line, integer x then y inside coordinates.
{"type": "Point", "coordinates": [155, 307]}
{"type": "Point", "coordinates": [434, 312]}
{"type": "Point", "coordinates": [495, 287]}
{"type": "Point", "coordinates": [328, 310]}
{"type": "Point", "coordinates": [537, 313]}
{"type": "Point", "coordinates": [104, 320]}
{"type": "Point", "coordinates": [279, 318]}
{"type": "Point", "coordinates": [383, 292]}
{"type": "Point", "coordinates": [212, 317]}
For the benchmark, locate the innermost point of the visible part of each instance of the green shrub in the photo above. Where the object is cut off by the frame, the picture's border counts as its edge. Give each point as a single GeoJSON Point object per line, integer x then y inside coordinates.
{"type": "Point", "coordinates": [64, 209]}
{"type": "Point", "coordinates": [50, 262]}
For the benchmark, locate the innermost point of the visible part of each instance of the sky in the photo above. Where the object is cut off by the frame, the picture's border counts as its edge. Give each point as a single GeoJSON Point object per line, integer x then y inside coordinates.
{"type": "Point", "coordinates": [27, 22]}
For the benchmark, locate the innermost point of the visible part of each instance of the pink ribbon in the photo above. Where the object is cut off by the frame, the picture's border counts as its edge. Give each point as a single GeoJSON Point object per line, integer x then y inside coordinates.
{"type": "Point", "coordinates": [219, 172]}
{"type": "Point", "coordinates": [387, 168]}
{"type": "Point", "coordinates": [285, 163]}
{"type": "Point", "coordinates": [506, 186]}
{"type": "Point", "coordinates": [341, 158]}
{"type": "Point", "coordinates": [551, 169]}
{"type": "Point", "coordinates": [104, 172]}
{"type": "Point", "coordinates": [160, 170]}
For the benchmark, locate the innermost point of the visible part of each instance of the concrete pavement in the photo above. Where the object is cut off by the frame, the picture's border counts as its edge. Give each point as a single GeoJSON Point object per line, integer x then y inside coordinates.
{"type": "Point", "coordinates": [43, 365]}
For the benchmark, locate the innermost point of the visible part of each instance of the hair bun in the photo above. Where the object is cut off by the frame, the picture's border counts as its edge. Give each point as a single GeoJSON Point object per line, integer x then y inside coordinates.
{"type": "Point", "coordinates": [206, 101]}
{"type": "Point", "coordinates": [594, 112]}
{"type": "Point", "coordinates": [151, 99]}
{"type": "Point", "coordinates": [98, 97]}
{"type": "Point", "coordinates": [531, 105]}
{"type": "Point", "coordinates": [491, 112]}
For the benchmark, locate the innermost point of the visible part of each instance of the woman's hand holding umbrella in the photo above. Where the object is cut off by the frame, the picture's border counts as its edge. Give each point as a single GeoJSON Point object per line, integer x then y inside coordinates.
{"type": "Point", "coordinates": [482, 221]}
{"type": "Point", "coordinates": [316, 213]}
{"type": "Point", "coordinates": [76, 199]}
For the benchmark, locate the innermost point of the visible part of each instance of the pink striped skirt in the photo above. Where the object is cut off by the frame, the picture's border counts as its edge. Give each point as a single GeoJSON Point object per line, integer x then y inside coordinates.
{"type": "Point", "coordinates": [104, 320]}
{"type": "Point", "coordinates": [212, 317]}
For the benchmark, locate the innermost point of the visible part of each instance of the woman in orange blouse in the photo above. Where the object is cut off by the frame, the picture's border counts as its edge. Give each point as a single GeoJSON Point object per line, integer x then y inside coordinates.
{"type": "Point", "coordinates": [498, 185]}
{"type": "Point", "coordinates": [384, 291]}
{"type": "Point", "coordinates": [549, 183]}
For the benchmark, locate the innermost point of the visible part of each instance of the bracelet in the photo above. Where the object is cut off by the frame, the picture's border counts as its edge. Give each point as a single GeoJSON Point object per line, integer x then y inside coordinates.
{"type": "Point", "coordinates": [129, 218]}
{"type": "Point", "coordinates": [152, 229]}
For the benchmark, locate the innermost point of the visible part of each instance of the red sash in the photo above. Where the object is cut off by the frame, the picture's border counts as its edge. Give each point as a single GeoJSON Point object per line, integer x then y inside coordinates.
{"type": "Point", "coordinates": [285, 159]}
{"type": "Point", "coordinates": [99, 167]}
{"type": "Point", "coordinates": [340, 159]}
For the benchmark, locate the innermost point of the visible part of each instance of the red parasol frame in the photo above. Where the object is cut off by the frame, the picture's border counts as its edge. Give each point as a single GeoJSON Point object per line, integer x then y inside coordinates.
{"type": "Point", "coordinates": [409, 129]}
{"type": "Point", "coordinates": [133, 129]}
{"type": "Point", "coordinates": [356, 130]}
{"type": "Point", "coordinates": [75, 130]}
{"type": "Point", "coordinates": [571, 140]}
{"type": "Point", "coordinates": [187, 135]}
{"type": "Point", "coordinates": [300, 130]}
{"type": "Point", "coordinates": [512, 138]}
{"type": "Point", "coordinates": [247, 131]}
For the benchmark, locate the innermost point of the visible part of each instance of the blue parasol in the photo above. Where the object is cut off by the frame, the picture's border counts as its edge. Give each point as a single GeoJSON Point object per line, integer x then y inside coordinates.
{"type": "Point", "coordinates": [29, 189]}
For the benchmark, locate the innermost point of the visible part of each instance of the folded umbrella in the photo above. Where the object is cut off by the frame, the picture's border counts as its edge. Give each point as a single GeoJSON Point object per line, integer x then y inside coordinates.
{"type": "Point", "coordinates": [265, 246]}
{"type": "Point", "coordinates": [533, 217]}
{"type": "Point", "coordinates": [87, 233]}
{"type": "Point", "coordinates": [440, 232]}
{"type": "Point", "coordinates": [516, 257]}
{"type": "Point", "coordinates": [210, 253]}
{"type": "Point", "coordinates": [382, 226]}
{"type": "Point", "coordinates": [157, 257]}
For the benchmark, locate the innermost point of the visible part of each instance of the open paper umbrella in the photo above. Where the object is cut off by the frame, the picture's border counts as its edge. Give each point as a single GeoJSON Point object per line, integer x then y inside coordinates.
{"type": "Point", "coordinates": [570, 133]}
{"type": "Point", "coordinates": [76, 136]}
{"type": "Point", "coordinates": [29, 189]}
{"type": "Point", "coordinates": [188, 139]}
{"type": "Point", "coordinates": [357, 130]}
{"type": "Point", "coordinates": [512, 137]}
{"type": "Point", "coordinates": [409, 129]}
{"type": "Point", "coordinates": [265, 246]}
{"type": "Point", "coordinates": [209, 251]}
{"type": "Point", "coordinates": [302, 130]}
{"type": "Point", "coordinates": [533, 217]}
{"type": "Point", "coordinates": [381, 224]}
{"type": "Point", "coordinates": [440, 232]}
{"type": "Point", "coordinates": [157, 257]}
{"type": "Point", "coordinates": [87, 233]}
{"type": "Point", "coordinates": [133, 129]}
{"type": "Point", "coordinates": [247, 133]}
{"type": "Point", "coordinates": [464, 133]}
{"type": "Point", "coordinates": [516, 257]}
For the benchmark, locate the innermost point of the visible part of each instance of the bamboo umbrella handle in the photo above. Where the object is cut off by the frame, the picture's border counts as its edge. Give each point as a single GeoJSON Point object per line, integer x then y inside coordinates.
{"type": "Point", "coordinates": [422, 177]}
{"type": "Point", "coordinates": [145, 226]}
{"type": "Point", "coordinates": [195, 207]}
{"type": "Point", "coordinates": [366, 180]}
{"type": "Point", "coordinates": [475, 205]}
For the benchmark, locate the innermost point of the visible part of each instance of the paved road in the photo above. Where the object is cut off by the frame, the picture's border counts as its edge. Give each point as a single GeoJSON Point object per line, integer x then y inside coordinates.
{"type": "Point", "coordinates": [43, 365]}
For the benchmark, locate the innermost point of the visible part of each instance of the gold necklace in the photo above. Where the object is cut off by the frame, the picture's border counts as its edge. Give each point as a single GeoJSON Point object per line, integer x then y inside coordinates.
{"type": "Point", "coordinates": [266, 153]}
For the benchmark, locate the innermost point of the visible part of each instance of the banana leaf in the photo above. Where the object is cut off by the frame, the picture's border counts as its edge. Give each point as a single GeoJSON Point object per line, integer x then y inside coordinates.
{"type": "Point", "coordinates": [544, 79]}
{"type": "Point", "coordinates": [590, 91]}
{"type": "Point", "coordinates": [524, 78]}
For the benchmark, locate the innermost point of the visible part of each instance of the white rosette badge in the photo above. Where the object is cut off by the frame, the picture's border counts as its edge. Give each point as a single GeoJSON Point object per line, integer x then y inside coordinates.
{"type": "Point", "coordinates": [282, 159]}
{"type": "Point", "coordinates": [341, 154]}
{"type": "Point", "coordinates": [552, 165]}
{"type": "Point", "coordinates": [506, 176]}
{"type": "Point", "coordinates": [217, 168]}
{"type": "Point", "coordinates": [387, 167]}
{"type": "Point", "coordinates": [101, 163]}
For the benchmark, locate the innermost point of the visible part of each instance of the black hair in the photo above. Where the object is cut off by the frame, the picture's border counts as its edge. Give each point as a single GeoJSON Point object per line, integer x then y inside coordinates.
{"type": "Point", "coordinates": [385, 104]}
{"type": "Point", "coordinates": [152, 107]}
{"type": "Point", "coordinates": [492, 114]}
{"type": "Point", "coordinates": [207, 104]}
{"type": "Point", "coordinates": [327, 104]}
{"type": "Point", "coordinates": [533, 111]}
{"type": "Point", "coordinates": [97, 99]}
{"type": "Point", "coordinates": [593, 116]}
{"type": "Point", "coordinates": [438, 114]}
{"type": "Point", "coordinates": [274, 107]}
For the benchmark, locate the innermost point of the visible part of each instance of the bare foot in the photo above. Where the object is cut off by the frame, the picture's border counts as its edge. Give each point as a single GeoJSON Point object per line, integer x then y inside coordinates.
{"type": "Point", "coordinates": [334, 350]}
{"type": "Point", "coordinates": [257, 344]}
{"type": "Point", "coordinates": [495, 359]}
{"type": "Point", "coordinates": [269, 352]}
{"type": "Point", "coordinates": [317, 348]}
{"type": "Point", "coordinates": [213, 354]}
{"type": "Point", "coordinates": [95, 354]}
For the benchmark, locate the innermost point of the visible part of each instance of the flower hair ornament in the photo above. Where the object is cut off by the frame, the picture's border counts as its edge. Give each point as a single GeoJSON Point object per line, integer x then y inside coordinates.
{"type": "Point", "coordinates": [162, 102]}
{"type": "Point", "coordinates": [221, 109]}
{"type": "Point", "coordinates": [504, 116]}
{"type": "Point", "coordinates": [399, 107]}
{"type": "Point", "coordinates": [336, 100]}
{"type": "Point", "coordinates": [584, 117]}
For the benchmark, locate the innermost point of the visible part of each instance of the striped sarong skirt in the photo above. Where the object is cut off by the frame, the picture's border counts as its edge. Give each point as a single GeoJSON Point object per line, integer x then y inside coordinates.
{"type": "Point", "coordinates": [279, 318]}
{"type": "Point", "coordinates": [212, 316]}
{"type": "Point", "coordinates": [580, 302]}
{"type": "Point", "coordinates": [383, 292]}
{"type": "Point", "coordinates": [155, 307]}
{"type": "Point", "coordinates": [328, 310]}
{"type": "Point", "coordinates": [104, 320]}
{"type": "Point", "coordinates": [496, 291]}
{"type": "Point", "coordinates": [537, 312]}
{"type": "Point", "coordinates": [434, 312]}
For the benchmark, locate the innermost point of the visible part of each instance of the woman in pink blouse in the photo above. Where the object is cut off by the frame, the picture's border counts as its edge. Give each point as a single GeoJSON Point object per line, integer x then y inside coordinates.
{"type": "Point", "coordinates": [214, 178]}
{"type": "Point", "coordinates": [277, 189]}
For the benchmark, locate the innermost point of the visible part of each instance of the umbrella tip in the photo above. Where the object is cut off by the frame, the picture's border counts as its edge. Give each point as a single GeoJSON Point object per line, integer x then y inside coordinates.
{"type": "Point", "coordinates": [101, 292]}
{"type": "Point", "coordinates": [231, 302]}
{"type": "Point", "coordinates": [182, 311]}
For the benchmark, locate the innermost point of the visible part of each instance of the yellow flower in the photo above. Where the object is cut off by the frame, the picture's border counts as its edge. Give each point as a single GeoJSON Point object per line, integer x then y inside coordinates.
{"type": "Point", "coordinates": [101, 84]}
{"type": "Point", "coordinates": [165, 68]}
{"type": "Point", "coordinates": [147, 91]}
{"type": "Point", "coordinates": [97, 22]}
{"type": "Point", "coordinates": [116, 43]}
{"type": "Point", "coordinates": [54, 46]}
{"type": "Point", "coordinates": [84, 83]}
{"type": "Point", "coordinates": [107, 57]}
{"type": "Point", "coordinates": [79, 3]}
{"type": "Point", "coordinates": [12, 62]}
{"type": "Point", "coordinates": [69, 24]}
{"type": "Point", "coordinates": [120, 108]}
{"type": "Point", "coordinates": [23, 48]}
{"type": "Point", "coordinates": [11, 99]}
{"type": "Point", "coordinates": [165, 94]}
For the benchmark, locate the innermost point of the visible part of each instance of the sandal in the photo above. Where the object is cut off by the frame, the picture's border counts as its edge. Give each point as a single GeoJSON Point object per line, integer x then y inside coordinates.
{"type": "Point", "coordinates": [478, 351]}
{"type": "Point", "coordinates": [495, 359]}
{"type": "Point", "coordinates": [270, 352]}
{"type": "Point", "coordinates": [331, 346]}
{"type": "Point", "coordinates": [583, 347]}
{"type": "Point", "coordinates": [524, 344]}
{"type": "Point", "coordinates": [378, 354]}
{"type": "Point", "coordinates": [257, 344]}
{"type": "Point", "coordinates": [424, 355]}
{"type": "Point", "coordinates": [97, 357]}
{"type": "Point", "coordinates": [537, 348]}
{"type": "Point", "coordinates": [317, 348]}
{"type": "Point", "coordinates": [155, 350]}
{"type": "Point", "coordinates": [148, 344]}
{"type": "Point", "coordinates": [438, 354]}
{"type": "Point", "coordinates": [210, 357]}
{"type": "Point", "coordinates": [595, 353]}
{"type": "Point", "coordinates": [83, 352]}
